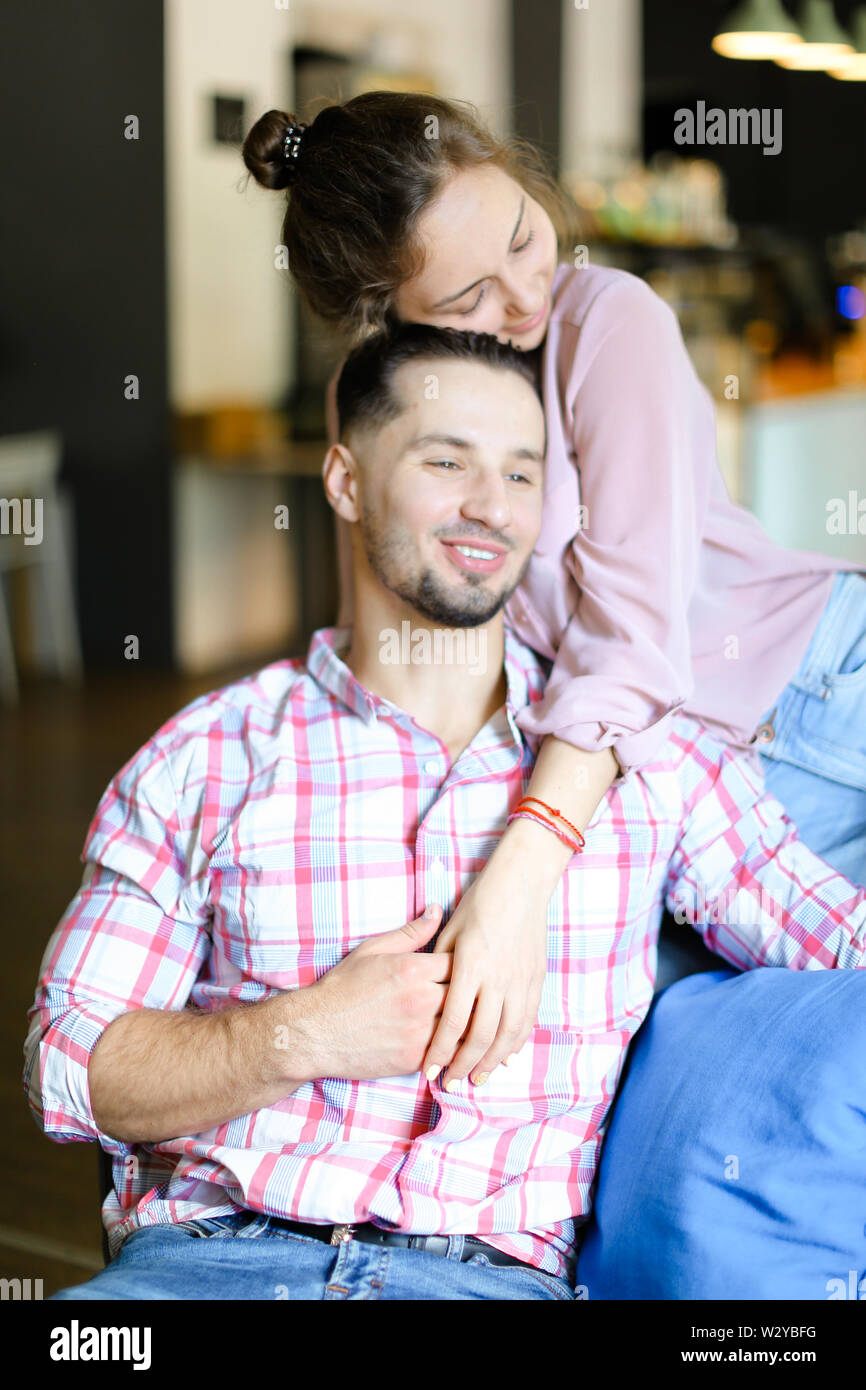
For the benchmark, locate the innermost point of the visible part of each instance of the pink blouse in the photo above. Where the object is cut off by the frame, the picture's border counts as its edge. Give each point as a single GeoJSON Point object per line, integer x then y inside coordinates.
{"type": "Point", "coordinates": [648, 589]}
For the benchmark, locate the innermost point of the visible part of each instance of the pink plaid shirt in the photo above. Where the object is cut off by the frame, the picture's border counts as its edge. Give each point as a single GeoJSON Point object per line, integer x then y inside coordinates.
{"type": "Point", "coordinates": [271, 826]}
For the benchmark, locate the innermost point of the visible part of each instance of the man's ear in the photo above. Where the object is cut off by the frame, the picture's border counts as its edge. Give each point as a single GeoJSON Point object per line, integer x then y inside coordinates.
{"type": "Point", "coordinates": [340, 477]}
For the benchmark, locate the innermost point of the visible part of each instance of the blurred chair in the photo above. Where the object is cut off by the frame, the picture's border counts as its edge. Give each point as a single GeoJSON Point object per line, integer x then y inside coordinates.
{"type": "Point", "coordinates": [29, 469]}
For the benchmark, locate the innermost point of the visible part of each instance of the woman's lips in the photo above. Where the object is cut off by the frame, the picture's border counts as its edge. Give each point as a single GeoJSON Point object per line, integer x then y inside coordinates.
{"type": "Point", "coordinates": [472, 562]}
{"type": "Point", "coordinates": [531, 323]}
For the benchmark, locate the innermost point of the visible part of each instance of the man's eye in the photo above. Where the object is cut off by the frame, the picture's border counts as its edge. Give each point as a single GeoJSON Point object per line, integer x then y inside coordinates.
{"type": "Point", "coordinates": [521, 476]}
{"type": "Point", "coordinates": [444, 463]}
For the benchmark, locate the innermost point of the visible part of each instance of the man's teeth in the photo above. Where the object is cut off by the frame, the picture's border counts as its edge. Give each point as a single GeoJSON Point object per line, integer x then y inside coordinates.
{"type": "Point", "coordinates": [476, 554]}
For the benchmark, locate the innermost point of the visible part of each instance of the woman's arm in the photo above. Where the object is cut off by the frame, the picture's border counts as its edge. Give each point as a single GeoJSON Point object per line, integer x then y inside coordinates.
{"type": "Point", "coordinates": [643, 434]}
{"type": "Point", "coordinates": [498, 932]}
{"type": "Point", "coordinates": [623, 663]}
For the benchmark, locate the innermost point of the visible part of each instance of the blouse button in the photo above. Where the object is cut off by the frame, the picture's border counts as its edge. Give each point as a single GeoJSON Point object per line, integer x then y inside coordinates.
{"type": "Point", "coordinates": [766, 733]}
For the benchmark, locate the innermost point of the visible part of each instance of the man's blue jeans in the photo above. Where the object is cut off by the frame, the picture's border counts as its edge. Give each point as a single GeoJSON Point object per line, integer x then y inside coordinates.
{"type": "Point", "coordinates": [246, 1256]}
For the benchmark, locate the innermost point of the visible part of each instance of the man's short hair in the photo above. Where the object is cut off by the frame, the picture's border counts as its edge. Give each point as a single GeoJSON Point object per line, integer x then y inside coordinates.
{"type": "Point", "coordinates": [364, 389]}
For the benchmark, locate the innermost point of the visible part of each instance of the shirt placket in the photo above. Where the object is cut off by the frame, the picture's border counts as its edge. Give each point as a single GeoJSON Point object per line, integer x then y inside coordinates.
{"type": "Point", "coordinates": [438, 879]}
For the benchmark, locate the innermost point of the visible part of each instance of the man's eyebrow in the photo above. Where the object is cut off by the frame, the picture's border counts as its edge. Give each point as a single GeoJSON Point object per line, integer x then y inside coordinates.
{"type": "Point", "coordinates": [451, 298]}
{"type": "Point", "coordinates": [420, 441]}
{"type": "Point", "coordinates": [453, 441]}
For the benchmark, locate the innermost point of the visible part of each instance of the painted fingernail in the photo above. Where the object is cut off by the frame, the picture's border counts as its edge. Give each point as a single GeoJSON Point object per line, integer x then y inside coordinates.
{"type": "Point", "coordinates": [451, 1085]}
{"type": "Point", "coordinates": [432, 1072]}
{"type": "Point", "coordinates": [480, 1080]}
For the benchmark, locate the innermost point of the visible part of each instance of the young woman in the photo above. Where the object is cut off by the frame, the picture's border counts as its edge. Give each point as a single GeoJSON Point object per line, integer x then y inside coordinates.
{"type": "Point", "coordinates": [649, 589]}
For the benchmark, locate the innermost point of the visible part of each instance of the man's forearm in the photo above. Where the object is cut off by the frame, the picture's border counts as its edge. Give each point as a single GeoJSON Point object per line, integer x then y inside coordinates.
{"type": "Point", "coordinates": [156, 1074]}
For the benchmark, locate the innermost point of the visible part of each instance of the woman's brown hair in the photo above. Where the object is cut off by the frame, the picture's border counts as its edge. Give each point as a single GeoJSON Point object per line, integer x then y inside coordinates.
{"type": "Point", "coordinates": [365, 171]}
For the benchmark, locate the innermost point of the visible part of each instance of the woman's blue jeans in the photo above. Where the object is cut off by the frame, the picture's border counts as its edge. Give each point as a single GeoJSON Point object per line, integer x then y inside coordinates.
{"type": "Point", "coordinates": [815, 764]}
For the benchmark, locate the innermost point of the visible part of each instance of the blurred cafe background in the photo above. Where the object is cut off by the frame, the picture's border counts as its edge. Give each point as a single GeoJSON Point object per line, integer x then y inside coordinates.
{"type": "Point", "coordinates": [161, 390]}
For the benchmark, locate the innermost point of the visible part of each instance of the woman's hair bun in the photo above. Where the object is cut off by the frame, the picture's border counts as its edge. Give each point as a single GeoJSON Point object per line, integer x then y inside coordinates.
{"type": "Point", "coordinates": [264, 150]}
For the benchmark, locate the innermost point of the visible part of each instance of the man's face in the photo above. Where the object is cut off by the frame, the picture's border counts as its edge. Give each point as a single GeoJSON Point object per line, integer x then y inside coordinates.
{"type": "Point", "coordinates": [460, 467]}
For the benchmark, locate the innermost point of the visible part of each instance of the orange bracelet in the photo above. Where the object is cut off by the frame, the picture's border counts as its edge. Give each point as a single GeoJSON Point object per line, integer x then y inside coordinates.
{"type": "Point", "coordinates": [555, 812]}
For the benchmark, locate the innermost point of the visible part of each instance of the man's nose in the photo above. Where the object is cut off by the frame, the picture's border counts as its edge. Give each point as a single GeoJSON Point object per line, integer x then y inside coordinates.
{"type": "Point", "coordinates": [487, 500]}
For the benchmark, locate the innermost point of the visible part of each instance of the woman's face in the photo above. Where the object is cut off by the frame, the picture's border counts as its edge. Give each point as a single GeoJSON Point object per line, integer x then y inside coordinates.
{"type": "Point", "coordinates": [490, 258]}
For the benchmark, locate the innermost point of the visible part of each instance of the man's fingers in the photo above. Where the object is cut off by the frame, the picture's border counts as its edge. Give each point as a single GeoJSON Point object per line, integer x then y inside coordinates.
{"type": "Point", "coordinates": [412, 934]}
{"type": "Point", "coordinates": [481, 1036]}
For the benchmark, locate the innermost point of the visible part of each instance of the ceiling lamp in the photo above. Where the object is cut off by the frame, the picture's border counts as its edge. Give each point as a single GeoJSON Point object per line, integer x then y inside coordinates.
{"type": "Point", "coordinates": [757, 29]}
{"type": "Point", "coordinates": [825, 42]}
{"type": "Point", "coordinates": [853, 68]}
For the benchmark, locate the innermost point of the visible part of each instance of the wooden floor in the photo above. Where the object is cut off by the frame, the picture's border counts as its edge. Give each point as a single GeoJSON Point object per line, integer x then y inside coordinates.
{"type": "Point", "coordinates": [58, 751]}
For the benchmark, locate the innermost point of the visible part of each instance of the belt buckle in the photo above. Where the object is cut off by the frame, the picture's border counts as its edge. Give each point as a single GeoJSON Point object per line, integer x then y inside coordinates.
{"type": "Point", "coordinates": [341, 1234]}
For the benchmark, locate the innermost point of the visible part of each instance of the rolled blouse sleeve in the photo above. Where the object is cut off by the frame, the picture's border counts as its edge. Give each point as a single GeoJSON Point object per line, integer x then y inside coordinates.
{"type": "Point", "coordinates": [632, 411]}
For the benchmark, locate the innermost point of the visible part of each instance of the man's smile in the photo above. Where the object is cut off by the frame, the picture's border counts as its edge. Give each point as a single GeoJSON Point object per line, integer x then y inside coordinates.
{"type": "Point", "coordinates": [479, 556]}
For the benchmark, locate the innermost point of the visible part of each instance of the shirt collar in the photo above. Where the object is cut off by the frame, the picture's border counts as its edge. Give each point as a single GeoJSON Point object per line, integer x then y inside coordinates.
{"type": "Point", "coordinates": [525, 677]}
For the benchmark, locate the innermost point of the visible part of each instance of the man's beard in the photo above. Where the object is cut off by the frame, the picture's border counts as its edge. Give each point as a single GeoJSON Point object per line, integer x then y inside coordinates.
{"type": "Point", "coordinates": [426, 592]}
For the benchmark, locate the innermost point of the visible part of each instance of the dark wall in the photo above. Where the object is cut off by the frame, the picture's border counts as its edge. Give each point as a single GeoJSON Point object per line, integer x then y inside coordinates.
{"type": "Point", "coordinates": [83, 297]}
{"type": "Point", "coordinates": [535, 60]}
{"type": "Point", "coordinates": [817, 184]}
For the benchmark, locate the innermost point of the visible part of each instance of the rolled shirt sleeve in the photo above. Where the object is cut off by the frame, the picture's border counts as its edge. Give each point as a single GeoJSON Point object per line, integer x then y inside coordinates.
{"type": "Point", "coordinates": [134, 936]}
{"type": "Point", "coordinates": [741, 876]}
{"type": "Point", "coordinates": [632, 410]}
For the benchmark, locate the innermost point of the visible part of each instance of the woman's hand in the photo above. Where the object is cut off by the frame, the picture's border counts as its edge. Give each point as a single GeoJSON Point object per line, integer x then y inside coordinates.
{"type": "Point", "coordinates": [498, 936]}
{"type": "Point", "coordinates": [498, 932]}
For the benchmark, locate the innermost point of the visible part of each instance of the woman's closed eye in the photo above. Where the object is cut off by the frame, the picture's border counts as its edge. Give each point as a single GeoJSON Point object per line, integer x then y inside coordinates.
{"type": "Point", "coordinates": [463, 312]}
{"type": "Point", "coordinates": [516, 249]}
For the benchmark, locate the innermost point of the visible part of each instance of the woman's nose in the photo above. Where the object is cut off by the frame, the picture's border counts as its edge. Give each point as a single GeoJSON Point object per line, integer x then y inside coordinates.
{"type": "Point", "coordinates": [521, 303]}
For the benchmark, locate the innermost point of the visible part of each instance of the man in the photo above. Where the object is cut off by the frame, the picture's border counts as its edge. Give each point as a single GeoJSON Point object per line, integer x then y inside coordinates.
{"type": "Point", "coordinates": [227, 1004]}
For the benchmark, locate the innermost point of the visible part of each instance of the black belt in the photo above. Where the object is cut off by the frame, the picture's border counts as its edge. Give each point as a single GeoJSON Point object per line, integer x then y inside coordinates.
{"type": "Point", "coordinates": [375, 1235]}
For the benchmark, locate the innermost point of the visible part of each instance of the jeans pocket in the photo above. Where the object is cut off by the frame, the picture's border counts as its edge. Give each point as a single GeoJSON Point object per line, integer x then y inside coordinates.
{"type": "Point", "coordinates": [556, 1287]}
{"type": "Point", "coordinates": [823, 710]}
{"type": "Point", "coordinates": [831, 737]}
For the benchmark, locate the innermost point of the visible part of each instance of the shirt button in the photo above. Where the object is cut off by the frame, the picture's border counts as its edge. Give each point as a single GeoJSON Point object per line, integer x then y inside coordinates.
{"type": "Point", "coordinates": [437, 866]}
{"type": "Point", "coordinates": [765, 733]}
{"type": "Point", "coordinates": [431, 766]}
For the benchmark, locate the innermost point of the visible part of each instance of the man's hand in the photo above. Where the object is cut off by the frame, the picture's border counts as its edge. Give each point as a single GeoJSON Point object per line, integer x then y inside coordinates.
{"type": "Point", "coordinates": [374, 1013]}
{"type": "Point", "coordinates": [498, 935]}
